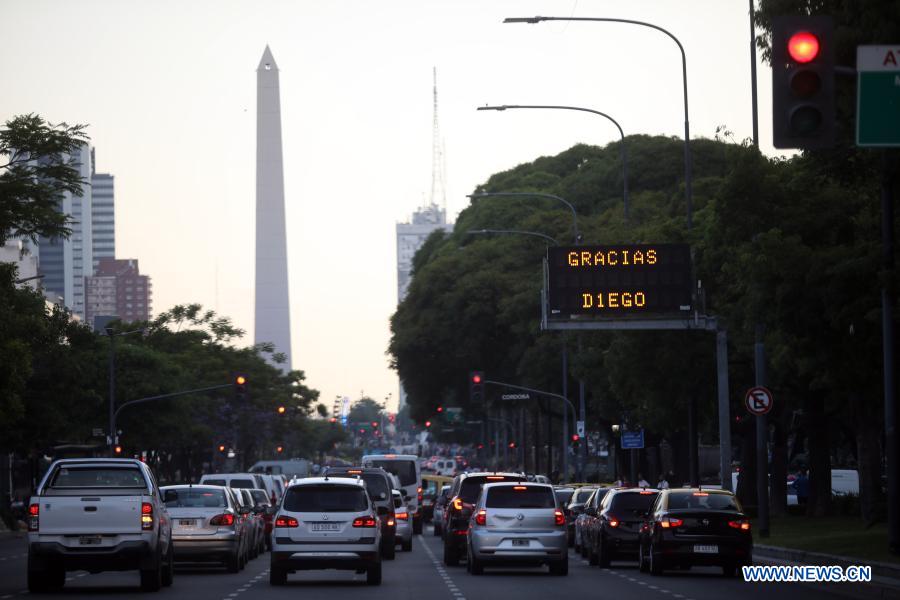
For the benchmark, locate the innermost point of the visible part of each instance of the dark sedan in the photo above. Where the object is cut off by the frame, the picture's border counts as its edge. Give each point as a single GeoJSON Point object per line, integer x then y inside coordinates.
{"type": "Point", "coordinates": [688, 527]}
{"type": "Point", "coordinates": [613, 532]}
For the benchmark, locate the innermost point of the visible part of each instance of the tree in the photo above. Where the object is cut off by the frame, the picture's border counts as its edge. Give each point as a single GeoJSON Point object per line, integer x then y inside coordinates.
{"type": "Point", "coordinates": [36, 170]}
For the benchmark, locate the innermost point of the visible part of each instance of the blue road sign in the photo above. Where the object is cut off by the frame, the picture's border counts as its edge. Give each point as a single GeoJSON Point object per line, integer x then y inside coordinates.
{"type": "Point", "coordinates": [633, 440]}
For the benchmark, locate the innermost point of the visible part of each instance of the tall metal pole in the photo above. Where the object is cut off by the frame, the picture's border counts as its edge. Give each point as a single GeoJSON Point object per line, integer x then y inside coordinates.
{"type": "Point", "coordinates": [565, 423]}
{"type": "Point", "coordinates": [581, 416]}
{"type": "Point", "coordinates": [724, 409]}
{"type": "Point", "coordinates": [762, 442]}
{"type": "Point", "coordinates": [112, 391]}
{"type": "Point", "coordinates": [753, 74]}
{"type": "Point", "coordinates": [887, 326]}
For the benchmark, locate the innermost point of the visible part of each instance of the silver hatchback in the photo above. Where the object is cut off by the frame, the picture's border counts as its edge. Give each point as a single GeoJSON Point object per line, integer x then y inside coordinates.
{"type": "Point", "coordinates": [517, 524]}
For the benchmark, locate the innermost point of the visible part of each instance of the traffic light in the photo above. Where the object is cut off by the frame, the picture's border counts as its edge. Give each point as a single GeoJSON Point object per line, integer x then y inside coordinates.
{"type": "Point", "coordinates": [333, 420]}
{"type": "Point", "coordinates": [281, 410]}
{"type": "Point", "coordinates": [427, 424]}
{"type": "Point", "coordinates": [117, 449]}
{"type": "Point", "coordinates": [575, 437]}
{"type": "Point", "coordinates": [221, 447]}
{"type": "Point", "coordinates": [374, 424]}
{"type": "Point", "coordinates": [476, 387]}
{"type": "Point", "coordinates": [803, 102]}
{"type": "Point", "coordinates": [240, 386]}
{"type": "Point", "coordinates": [440, 409]}
{"type": "Point", "coordinates": [512, 444]}
{"type": "Point", "coordinates": [392, 417]}
{"type": "Point", "coordinates": [279, 449]}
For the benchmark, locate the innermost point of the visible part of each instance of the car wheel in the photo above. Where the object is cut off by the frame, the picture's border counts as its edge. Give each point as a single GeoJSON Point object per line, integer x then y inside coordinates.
{"type": "Point", "coordinates": [603, 557]}
{"type": "Point", "coordinates": [151, 579]}
{"type": "Point", "coordinates": [656, 566]}
{"type": "Point", "coordinates": [407, 546]}
{"type": "Point", "coordinates": [451, 553]}
{"type": "Point", "coordinates": [168, 574]}
{"type": "Point", "coordinates": [277, 576]}
{"type": "Point", "coordinates": [373, 574]}
{"type": "Point", "coordinates": [233, 562]}
{"type": "Point", "coordinates": [417, 525]}
{"type": "Point", "coordinates": [560, 567]}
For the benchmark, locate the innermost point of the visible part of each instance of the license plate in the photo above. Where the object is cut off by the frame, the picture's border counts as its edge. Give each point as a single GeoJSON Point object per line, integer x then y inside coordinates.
{"type": "Point", "coordinates": [89, 540]}
{"type": "Point", "coordinates": [186, 522]}
{"type": "Point", "coordinates": [326, 527]}
{"type": "Point", "coordinates": [520, 543]}
{"type": "Point", "coordinates": [706, 549]}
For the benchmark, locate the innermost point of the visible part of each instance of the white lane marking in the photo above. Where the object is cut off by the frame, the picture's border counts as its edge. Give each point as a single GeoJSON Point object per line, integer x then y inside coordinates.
{"type": "Point", "coordinates": [451, 586]}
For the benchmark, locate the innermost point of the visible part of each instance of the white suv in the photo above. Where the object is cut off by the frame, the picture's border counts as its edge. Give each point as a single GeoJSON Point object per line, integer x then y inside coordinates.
{"type": "Point", "coordinates": [326, 523]}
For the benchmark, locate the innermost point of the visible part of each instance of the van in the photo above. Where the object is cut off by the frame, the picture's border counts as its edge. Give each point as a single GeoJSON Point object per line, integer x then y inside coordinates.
{"type": "Point", "coordinates": [234, 480]}
{"type": "Point", "coordinates": [296, 468]}
{"type": "Point", "coordinates": [406, 468]}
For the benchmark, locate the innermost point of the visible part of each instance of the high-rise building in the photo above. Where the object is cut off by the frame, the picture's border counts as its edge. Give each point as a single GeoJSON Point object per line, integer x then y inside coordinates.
{"type": "Point", "coordinates": [119, 289]}
{"type": "Point", "coordinates": [65, 262]}
{"type": "Point", "coordinates": [103, 214]}
{"type": "Point", "coordinates": [272, 319]}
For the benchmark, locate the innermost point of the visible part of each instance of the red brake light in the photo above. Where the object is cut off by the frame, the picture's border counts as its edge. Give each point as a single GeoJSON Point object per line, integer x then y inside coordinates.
{"type": "Point", "coordinates": [481, 517]}
{"type": "Point", "coordinates": [645, 492]}
{"type": "Point", "coordinates": [146, 515]}
{"type": "Point", "coordinates": [613, 522]}
{"type": "Point", "coordinates": [701, 494]}
{"type": "Point", "coordinates": [743, 525]}
{"type": "Point", "coordinates": [669, 522]}
{"type": "Point", "coordinates": [495, 477]}
{"type": "Point", "coordinates": [286, 522]}
{"type": "Point", "coordinates": [366, 521]}
{"type": "Point", "coordinates": [558, 517]}
{"type": "Point", "coordinates": [519, 488]}
{"type": "Point", "coordinates": [34, 514]}
{"type": "Point", "coordinates": [354, 472]}
{"type": "Point", "coordinates": [803, 47]}
{"type": "Point", "coordinates": [225, 519]}
{"type": "Point", "coordinates": [402, 516]}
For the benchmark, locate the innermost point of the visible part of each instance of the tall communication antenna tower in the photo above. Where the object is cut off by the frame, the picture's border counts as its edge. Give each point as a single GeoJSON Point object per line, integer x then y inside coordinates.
{"type": "Point", "coordinates": [438, 185]}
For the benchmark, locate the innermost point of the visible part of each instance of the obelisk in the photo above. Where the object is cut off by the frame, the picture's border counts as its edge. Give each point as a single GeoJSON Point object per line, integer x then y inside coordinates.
{"type": "Point", "coordinates": [272, 312]}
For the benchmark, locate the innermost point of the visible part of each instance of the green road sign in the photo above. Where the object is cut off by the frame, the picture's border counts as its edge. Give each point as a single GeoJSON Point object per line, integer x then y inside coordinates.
{"type": "Point", "coordinates": [878, 95]}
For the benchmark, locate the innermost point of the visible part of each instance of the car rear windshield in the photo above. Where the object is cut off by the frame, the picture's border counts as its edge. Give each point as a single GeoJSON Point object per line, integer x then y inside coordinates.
{"type": "Point", "coordinates": [325, 498]}
{"type": "Point", "coordinates": [520, 496]}
{"type": "Point", "coordinates": [405, 470]}
{"type": "Point", "coordinates": [242, 483]}
{"type": "Point", "coordinates": [702, 500]}
{"type": "Point", "coordinates": [196, 498]}
{"type": "Point", "coordinates": [260, 497]}
{"type": "Point", "coordinates": [581, 496]}
{"type": "Point", "coordinates": [98, 477]}
{"type": "Point", "coordinates": [471, 486]}
{"type": "Point", "coordinates": [562, 496]}
{"type": "Point", "coordinates": [632, 502]}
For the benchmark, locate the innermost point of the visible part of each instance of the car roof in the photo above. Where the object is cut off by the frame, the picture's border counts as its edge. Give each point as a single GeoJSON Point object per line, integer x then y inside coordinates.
{"type": "Point", "coordinates": [390, 457]}
{"type": "Point", "coordinates": [199, 486]}
{"type": "Point", "coordinates": [536, 484]}
{"type": "Point", "coordinates": [362, 470]}
{"type": "Point", "coordinates": [487, 473]}
{"type": "Point", "coordinates": [125, 462]}
{"type": "Point", "coordinates": [696, 490]}
{"type": "Point", "coordinates": [328, 480]}
{"type": "Point", "coordinates": [212, 475]}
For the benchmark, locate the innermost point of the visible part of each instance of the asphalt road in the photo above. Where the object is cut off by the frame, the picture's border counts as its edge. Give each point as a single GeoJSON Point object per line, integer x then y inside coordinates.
{"type": "Point", "coordinates": [421, 575]}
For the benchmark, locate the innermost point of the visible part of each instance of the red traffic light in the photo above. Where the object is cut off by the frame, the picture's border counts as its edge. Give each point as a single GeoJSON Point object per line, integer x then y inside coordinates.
{"type": "Point", "coordinates": [512, 444]}
{"type": "Point", "coordinates": [476, 378]}
{"type": "Point", "coordinates": [375, 424]}
{"type": "Point", "coordinates": [118, 449]}
{"type": "Point", "coordinates": [221, 447]}
{"type": "Point", "coordinates": [575, 437]}
{"type": "Point", "coordinates": [333, 419]}
{"type": "Point", "coordinates": [279, 449]}
{"type": "Point", "coordinates": [427, 423]}
{"type": "Point", "coordinates": [803, 46]}
{"type": "Point", "coordinates": [440, 409]}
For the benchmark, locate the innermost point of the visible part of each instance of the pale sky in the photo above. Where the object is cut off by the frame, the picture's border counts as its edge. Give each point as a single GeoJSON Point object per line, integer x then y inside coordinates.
{"type": "Point", "coordinates": [169, 90]}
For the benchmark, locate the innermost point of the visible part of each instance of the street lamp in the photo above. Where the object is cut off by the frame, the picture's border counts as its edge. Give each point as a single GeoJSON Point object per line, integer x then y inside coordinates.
{"type": "Point", "coordinates": [515, 231]}
{"type": "Point", "coordinates": [688, 188]}
{"type": "Point", "coordinates": [578, 237]}
{"type": "Point", "coordinates": [588, 110]}
{"type": "Point", "coordinates": [112, 438]}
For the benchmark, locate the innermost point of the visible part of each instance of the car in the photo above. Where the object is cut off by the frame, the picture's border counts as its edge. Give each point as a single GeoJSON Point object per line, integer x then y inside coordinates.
{"type": "Point", "coordinates": [431, 489]}
{"type": "Point", "coordinates": [274, 486]}
{"type": "Point", "coordinates": [584, 519]}
{"type": "Point", "coordinates": [694, 526]}
{"type": "Point", "coordinates": [326, 523]}
{"type": "Point", "coordinates": [378, 484]}
{"type": "Point", "coordinates": [234, 480]}
{"type": "Point", "coordinates": [463, 494]}
{"type": "Point", "coordinates": [517, 523]}
{"type": "Point", "coordinates": [613, 532]}
{"type": "Point", "coordinates": [297, 467]}
{"type": "Point", "coordinates": [98, 514]}
{"type": "Point", "coordinates": [406, 468]}
{"type": "Point", "coordinates": [440, 505]}
{"type": "Point", "coordinates": [574, 507]}
{"type": "Point", "coordinates": [254, 523]}
{"type": "Point", "coordinates": [206, 525]}
{"type": "Point", "coordinates": [404, 534]}
{"type": "Point", "coordinates": [266, 510]}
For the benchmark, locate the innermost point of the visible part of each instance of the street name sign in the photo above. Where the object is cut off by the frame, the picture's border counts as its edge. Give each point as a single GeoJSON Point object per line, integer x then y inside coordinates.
{"type": "Point", "coordinates": [618, 280]}
{"type": "Point", "coordinates": [758, 401]}
{"type": "Point", "coordinates": [516, 396]}
{"type": "Point", "coordinates": [878, 95]}
{"type": "Point", "coordinates": [579, 428]}
{"type": "Point", "coordinates": [633, 440]}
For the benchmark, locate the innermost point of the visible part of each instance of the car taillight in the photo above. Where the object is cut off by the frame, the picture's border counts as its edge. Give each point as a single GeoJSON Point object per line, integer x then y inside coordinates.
{"type": "Point", "coordinates": [286, 522]}
{"type": "Point", "coordinates": [613, 522]}
{"type": "Point", "coordinates": [225, 519]}
{"type": "Point", "coordinates": [390, 520]}
{"type": "Point", "coordinates": [458, 503]}
{"type": "Point", "coordinates": [481, 517]}
{"type": "Point", "coordinates": [402, 516]}
{"type": "Point", "coordinates": [366, 521]}
{"type": "Point", "coordinates": [558, 517]}
{"type": "Point", "coordinates": [34, 517]}
{"type": "Point", "coordinates": [146, 515]}
{"type": "Point", "coordinates": [670, 522]}
{"type": "Point", "coordinates": [743, 525]}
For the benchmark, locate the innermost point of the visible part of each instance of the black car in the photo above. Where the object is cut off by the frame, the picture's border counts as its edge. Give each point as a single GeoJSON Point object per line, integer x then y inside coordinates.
{"type": "Point", "coordinates": [613, 532]}
{"type": "Point", "coordinates": [463, 494]}
{"type": "Point", "coordinates": [688, 527]}
{"type": "Point", "coordinates": [378, 485]}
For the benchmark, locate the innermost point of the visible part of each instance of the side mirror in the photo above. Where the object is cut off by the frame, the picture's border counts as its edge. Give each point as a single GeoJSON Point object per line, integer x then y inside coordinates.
{"type": "Point", "coordinates": [382, 510]}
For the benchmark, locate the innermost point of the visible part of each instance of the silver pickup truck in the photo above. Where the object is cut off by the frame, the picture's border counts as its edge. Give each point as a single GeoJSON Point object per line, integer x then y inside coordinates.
{"type": "Point", "coordinates": [98, 514]}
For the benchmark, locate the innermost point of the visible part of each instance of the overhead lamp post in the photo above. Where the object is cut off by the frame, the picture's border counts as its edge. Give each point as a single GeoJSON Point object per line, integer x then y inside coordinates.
{"type": "Point", "coordinates": [112, 334]}
{"type": "Point", "coordinates": [688, 187]}
{"type": "Point", "coordinates": [513, 231]}
{"type": "Point", "coordinates": [568, 204]}
{"type": "Point", "coordinates": [624, 152]}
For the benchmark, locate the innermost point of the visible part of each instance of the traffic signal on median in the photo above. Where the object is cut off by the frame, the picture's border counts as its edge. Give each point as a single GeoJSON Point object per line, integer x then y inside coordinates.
{"type": "Point", "coordinates": [476, 387]}
{"type": "Point", "coordinates": [803, 112]}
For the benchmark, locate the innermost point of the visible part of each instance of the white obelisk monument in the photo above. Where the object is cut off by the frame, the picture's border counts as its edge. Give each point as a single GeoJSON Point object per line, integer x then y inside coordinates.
{"type": "Point", "coordinates": [273, 313]}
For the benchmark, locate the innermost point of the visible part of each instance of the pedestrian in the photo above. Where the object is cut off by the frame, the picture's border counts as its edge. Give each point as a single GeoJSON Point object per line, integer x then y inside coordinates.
{"type": "Point", "coordinates": [642, 483]}
{"type": "Point", "coordinates": [663, 483]}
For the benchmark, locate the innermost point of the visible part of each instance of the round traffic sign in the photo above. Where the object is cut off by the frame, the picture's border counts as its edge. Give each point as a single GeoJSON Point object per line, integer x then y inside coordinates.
{"type": "Point", "coordinates": [758, 401]}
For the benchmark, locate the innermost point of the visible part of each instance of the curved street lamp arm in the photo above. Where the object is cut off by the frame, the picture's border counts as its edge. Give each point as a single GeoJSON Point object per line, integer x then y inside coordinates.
{"type": "Point", "coordinates": [520, 232]}
{"type": "Point", "coordinates": [536, 195]}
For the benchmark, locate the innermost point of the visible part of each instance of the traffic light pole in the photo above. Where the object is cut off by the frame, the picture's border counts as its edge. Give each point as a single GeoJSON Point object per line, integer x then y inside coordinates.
{"type": "Point", "coordinates": [887, 323]}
